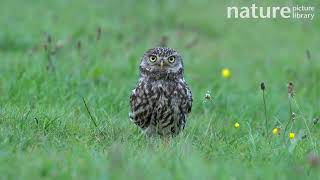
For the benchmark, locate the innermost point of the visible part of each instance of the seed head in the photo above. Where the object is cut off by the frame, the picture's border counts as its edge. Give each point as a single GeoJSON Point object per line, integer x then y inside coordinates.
{"type": "Point", "coordinates": [45, 46]}
{"type": "Point", "coordinates": [304, 136]}
{"type": "Point", "coordinates": [49, 38]}
{"type": "Point", "coordinates": [293, 116]}
{"type": "Point", "coordinates": [99, 31]}
{"type": "Point", "coordinates": [79, 44]}
{"type": "Point", "coordinates": [207, 96]}
{"type": "Point", "coordinates": [262, 86]}
{"type": "Point", "coordinates": [163, 41]}
{"type": "Point", "coordinates": [308, 54]}
{"type": "Point", "coordinates": [290, 89]}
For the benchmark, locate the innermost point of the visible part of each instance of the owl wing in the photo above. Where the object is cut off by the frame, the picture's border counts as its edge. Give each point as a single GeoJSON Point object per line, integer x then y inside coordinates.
{"type": "Point", "coordinates": [140, 108]}
{"type": "Point", "coordinates": [188, 105]}
{"type": "Point", "coordinates": [187, 102]}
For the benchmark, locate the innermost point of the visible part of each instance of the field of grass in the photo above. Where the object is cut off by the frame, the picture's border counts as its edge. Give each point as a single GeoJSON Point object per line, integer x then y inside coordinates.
{"type": "Point", "coordinates": [53, 53]}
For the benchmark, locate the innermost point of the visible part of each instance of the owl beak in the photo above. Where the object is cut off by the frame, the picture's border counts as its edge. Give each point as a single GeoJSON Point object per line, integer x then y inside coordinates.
{"type": "Point", "coordinates": [161, 65]}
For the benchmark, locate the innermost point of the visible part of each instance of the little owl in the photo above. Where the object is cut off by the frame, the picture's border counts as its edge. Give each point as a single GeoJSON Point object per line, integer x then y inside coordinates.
{"type": "Point", "coordinates": [161, 100]}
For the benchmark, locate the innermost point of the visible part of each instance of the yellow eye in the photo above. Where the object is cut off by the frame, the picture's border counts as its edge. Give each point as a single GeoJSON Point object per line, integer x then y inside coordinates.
{"type": "Point", "coordinates": [171, 59]}
{"type": "Point", "coordinates": [152, 58]}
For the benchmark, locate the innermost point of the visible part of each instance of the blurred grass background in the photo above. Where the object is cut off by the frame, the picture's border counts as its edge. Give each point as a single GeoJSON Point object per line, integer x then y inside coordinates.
{"type": "Point", "coordinates": [45, 131]}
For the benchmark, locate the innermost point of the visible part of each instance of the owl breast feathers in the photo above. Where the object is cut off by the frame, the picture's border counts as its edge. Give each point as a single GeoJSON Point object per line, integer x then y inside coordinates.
{"type": "Point", "coordinates": [161, 101]}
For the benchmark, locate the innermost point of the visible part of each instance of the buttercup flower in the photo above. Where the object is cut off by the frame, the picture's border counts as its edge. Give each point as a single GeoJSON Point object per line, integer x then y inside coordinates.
{"type": "Point", "coordinates": [276, 131]}
{"type": "Point", "coordinates": [236, 125]}
{"type": "Point", "coordinates": [226, 73]}
{"type": "Point", "coordinates": [291, 135]}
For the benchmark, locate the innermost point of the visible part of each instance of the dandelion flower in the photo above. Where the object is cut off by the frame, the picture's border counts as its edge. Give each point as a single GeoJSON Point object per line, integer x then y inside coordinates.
{"type": "Point", "coordinates": [275, 131]}
{"type": "Point", "coordinates": [226, 73]}
{"type": "Point", "coordinates": [236, 125]}
{"type": "Point", "coordinates": [291, 135]}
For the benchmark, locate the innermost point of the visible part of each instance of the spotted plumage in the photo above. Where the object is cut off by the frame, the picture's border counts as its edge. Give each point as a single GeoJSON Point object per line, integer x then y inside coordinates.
{"type": "Point", "coordinates": [161, 100]}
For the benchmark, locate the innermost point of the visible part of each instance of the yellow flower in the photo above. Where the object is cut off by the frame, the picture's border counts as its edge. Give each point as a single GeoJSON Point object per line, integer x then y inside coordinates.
{"type": "Point", "coordinates": [226, 73]}
{"type": "Point", "coordinates": [236, 125]}
{"type": "Point", "coordinates": [291, 135]}
{"type": "Point", "coordinates": [275, 131]}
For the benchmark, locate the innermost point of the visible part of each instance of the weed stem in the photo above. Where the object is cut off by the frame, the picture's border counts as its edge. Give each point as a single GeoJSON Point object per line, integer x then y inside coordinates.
{"type": "Point", "coordinates": [91, 117]}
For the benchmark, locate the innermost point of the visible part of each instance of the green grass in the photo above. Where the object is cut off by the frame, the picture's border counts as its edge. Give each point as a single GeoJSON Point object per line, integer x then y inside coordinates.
{"type": "Point", "coordinates": [45, 129]}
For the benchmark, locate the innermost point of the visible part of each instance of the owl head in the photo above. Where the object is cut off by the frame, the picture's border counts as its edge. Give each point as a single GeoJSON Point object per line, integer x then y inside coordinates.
{"type": "Point", "coordinates": [161, 62]}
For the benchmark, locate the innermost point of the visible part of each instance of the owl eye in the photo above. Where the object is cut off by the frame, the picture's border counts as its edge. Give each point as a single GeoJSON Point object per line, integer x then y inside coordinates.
{"type": "Point", "coordinates": [152, 58]}
{"type": "Point", "coordinates": [171, 59]}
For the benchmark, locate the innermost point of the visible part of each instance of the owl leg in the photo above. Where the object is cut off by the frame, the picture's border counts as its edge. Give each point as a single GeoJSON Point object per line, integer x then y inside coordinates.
{"type": "Point", "coordinates": [166, 141]}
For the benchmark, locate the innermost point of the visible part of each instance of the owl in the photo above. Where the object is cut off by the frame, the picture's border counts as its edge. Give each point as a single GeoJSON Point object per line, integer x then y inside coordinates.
{"type": "Point", "coordinates": [161, 101]}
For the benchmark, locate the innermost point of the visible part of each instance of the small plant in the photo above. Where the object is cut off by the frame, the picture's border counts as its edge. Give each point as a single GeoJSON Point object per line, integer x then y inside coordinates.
{"type": "Point", "coordinates": [92, 118]}
{"type": "Point", "coordinates": [263, 88]}
{"type": "Point", "coordinates": [290, 97]}
{"type": "Point", "coordinates": [48, 47]}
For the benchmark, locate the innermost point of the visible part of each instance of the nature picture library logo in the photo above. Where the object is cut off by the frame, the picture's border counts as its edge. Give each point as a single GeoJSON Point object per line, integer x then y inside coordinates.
{"type": "Point", "coordinates": [271, 12]}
